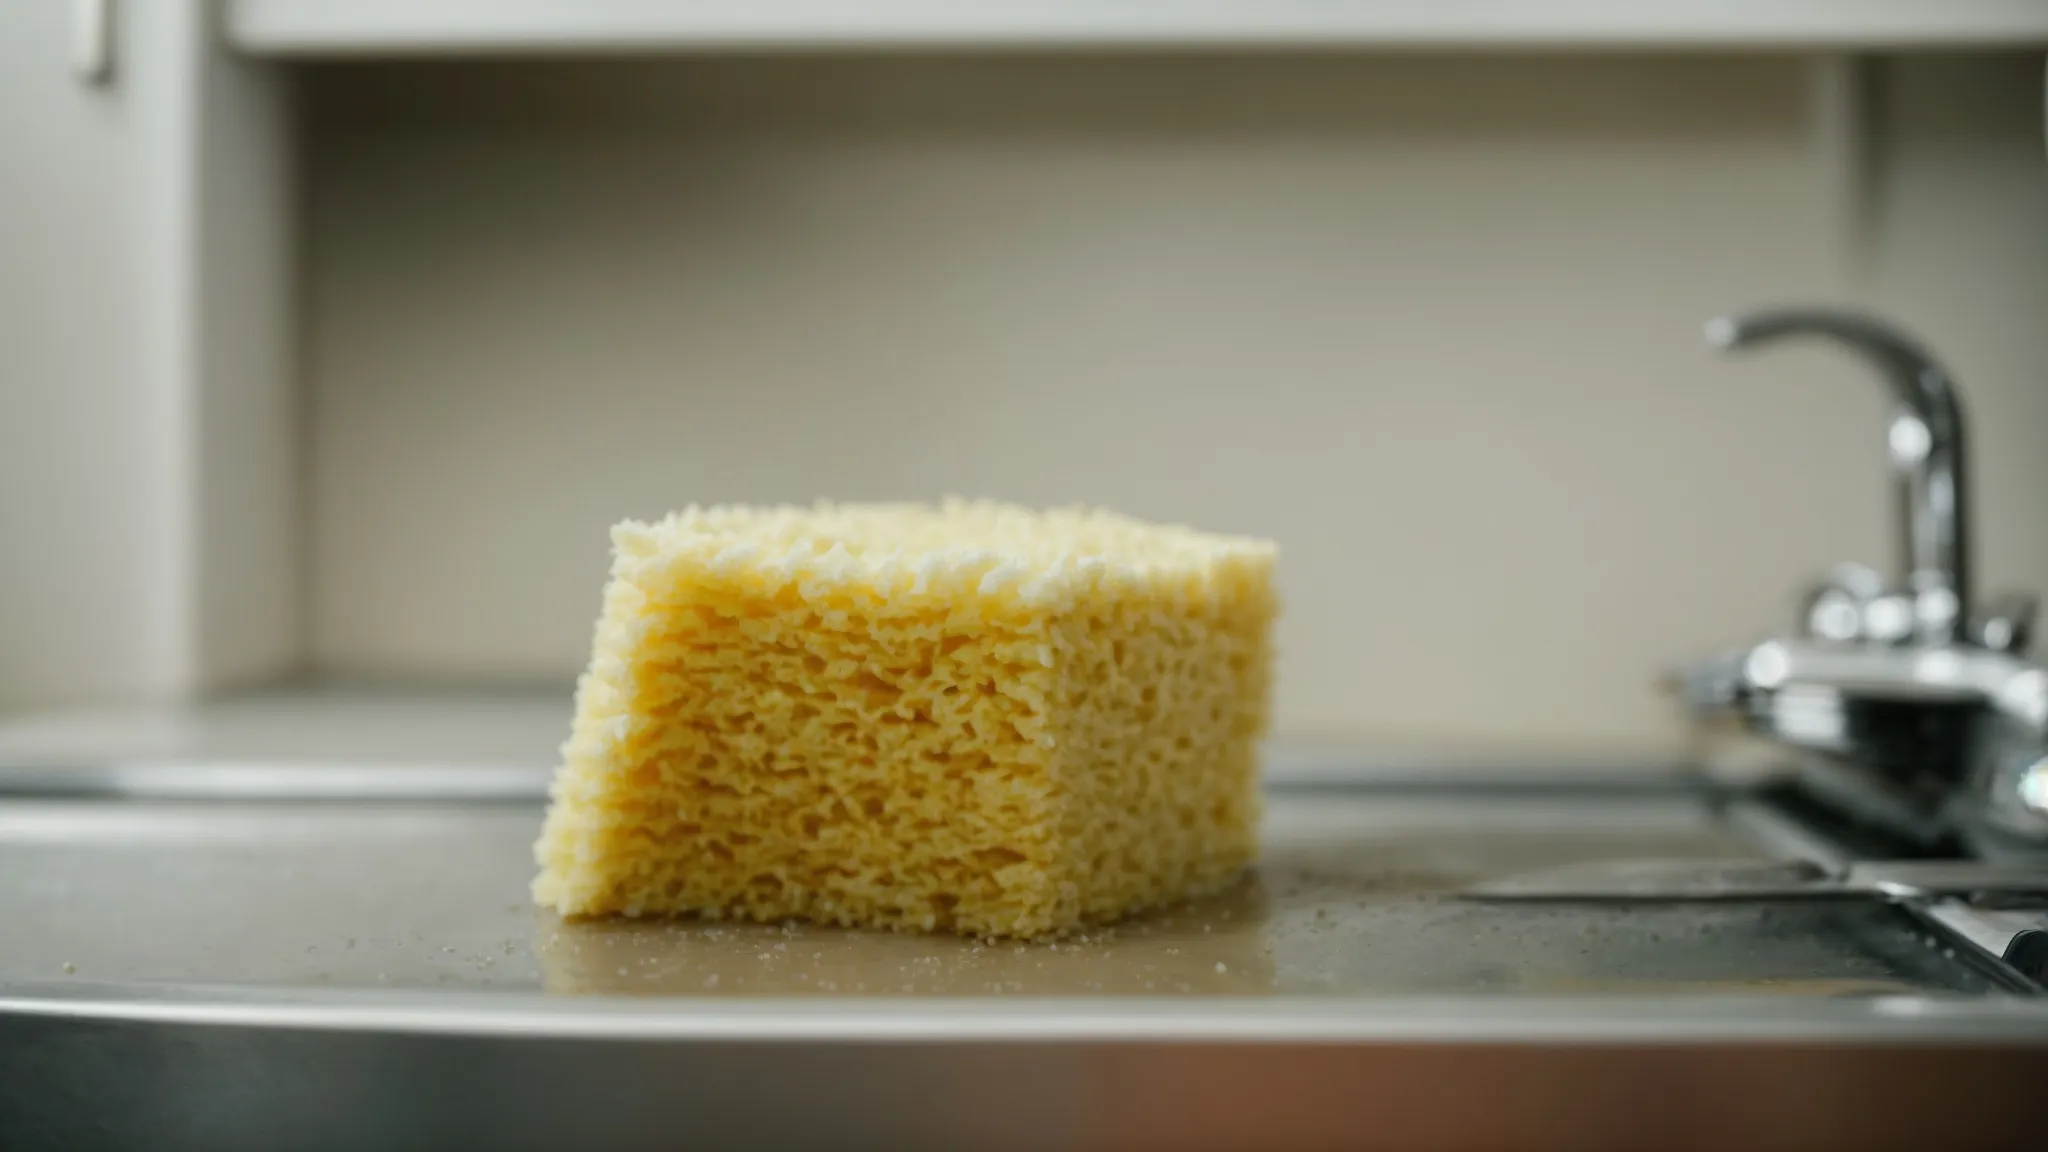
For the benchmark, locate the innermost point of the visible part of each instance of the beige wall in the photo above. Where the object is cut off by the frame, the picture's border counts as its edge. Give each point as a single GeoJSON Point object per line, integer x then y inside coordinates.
{"type": "Point", "coordinates": [1431, 323]}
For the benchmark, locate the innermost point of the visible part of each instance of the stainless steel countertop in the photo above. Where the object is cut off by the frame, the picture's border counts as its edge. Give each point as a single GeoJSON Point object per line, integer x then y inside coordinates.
{"type": "Point", "coordinates": [1349, 900]}
{"type": "Point", "coordinates": [229, 950]}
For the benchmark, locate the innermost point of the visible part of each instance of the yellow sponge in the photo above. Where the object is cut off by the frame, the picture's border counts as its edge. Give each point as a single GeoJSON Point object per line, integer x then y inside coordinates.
{"type": "Point", "coordinates": [972, 717]}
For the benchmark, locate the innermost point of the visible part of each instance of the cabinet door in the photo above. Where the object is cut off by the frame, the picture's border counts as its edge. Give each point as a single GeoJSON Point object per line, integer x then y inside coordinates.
{"type": "Point", "coordinates": [114, 366]}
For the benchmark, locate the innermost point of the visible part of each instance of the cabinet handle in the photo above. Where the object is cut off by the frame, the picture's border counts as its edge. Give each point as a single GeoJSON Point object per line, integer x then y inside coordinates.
{"type": "Point", "coordinates": [92, 40]}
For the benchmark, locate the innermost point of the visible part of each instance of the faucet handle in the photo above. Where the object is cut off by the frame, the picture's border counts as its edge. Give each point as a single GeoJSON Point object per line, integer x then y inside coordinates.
{"type": "Point", "coordinates": [1834, 607]}
{"type": "Point", "coordinates": [2006, 624]}
{"type": "Point", "coordinates": [1851, 604]}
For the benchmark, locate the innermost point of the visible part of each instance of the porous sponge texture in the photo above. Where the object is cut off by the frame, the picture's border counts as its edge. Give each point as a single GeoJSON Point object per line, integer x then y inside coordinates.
{"type": "Point", "coordinates": [970, 717]}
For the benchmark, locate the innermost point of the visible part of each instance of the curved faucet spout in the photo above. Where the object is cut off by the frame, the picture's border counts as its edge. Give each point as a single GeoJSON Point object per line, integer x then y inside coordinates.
{"type": "Point", "coordinates": [1926, 448]}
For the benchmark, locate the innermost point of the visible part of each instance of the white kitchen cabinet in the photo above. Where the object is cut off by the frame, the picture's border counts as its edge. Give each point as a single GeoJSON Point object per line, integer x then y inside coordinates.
{"type": "Point", "coordinates": [320, 315]}
{"type": "Point", "coordinates": [145, 318]}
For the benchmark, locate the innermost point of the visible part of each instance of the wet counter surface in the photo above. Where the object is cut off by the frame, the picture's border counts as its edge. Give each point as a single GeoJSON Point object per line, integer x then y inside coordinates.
{"type": "Point", "coordinates": [1352, 897]}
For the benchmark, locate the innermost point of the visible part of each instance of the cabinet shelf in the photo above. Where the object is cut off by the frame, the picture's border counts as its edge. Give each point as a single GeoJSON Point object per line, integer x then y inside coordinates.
{"type": "Point", "coordinates": [338, 28]}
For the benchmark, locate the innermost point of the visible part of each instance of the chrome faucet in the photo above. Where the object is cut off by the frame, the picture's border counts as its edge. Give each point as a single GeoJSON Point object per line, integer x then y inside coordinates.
{"type": "Point", "coordinates": [1902, 704]}
{"type": "Point", "coordinates": [1925, 439]}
